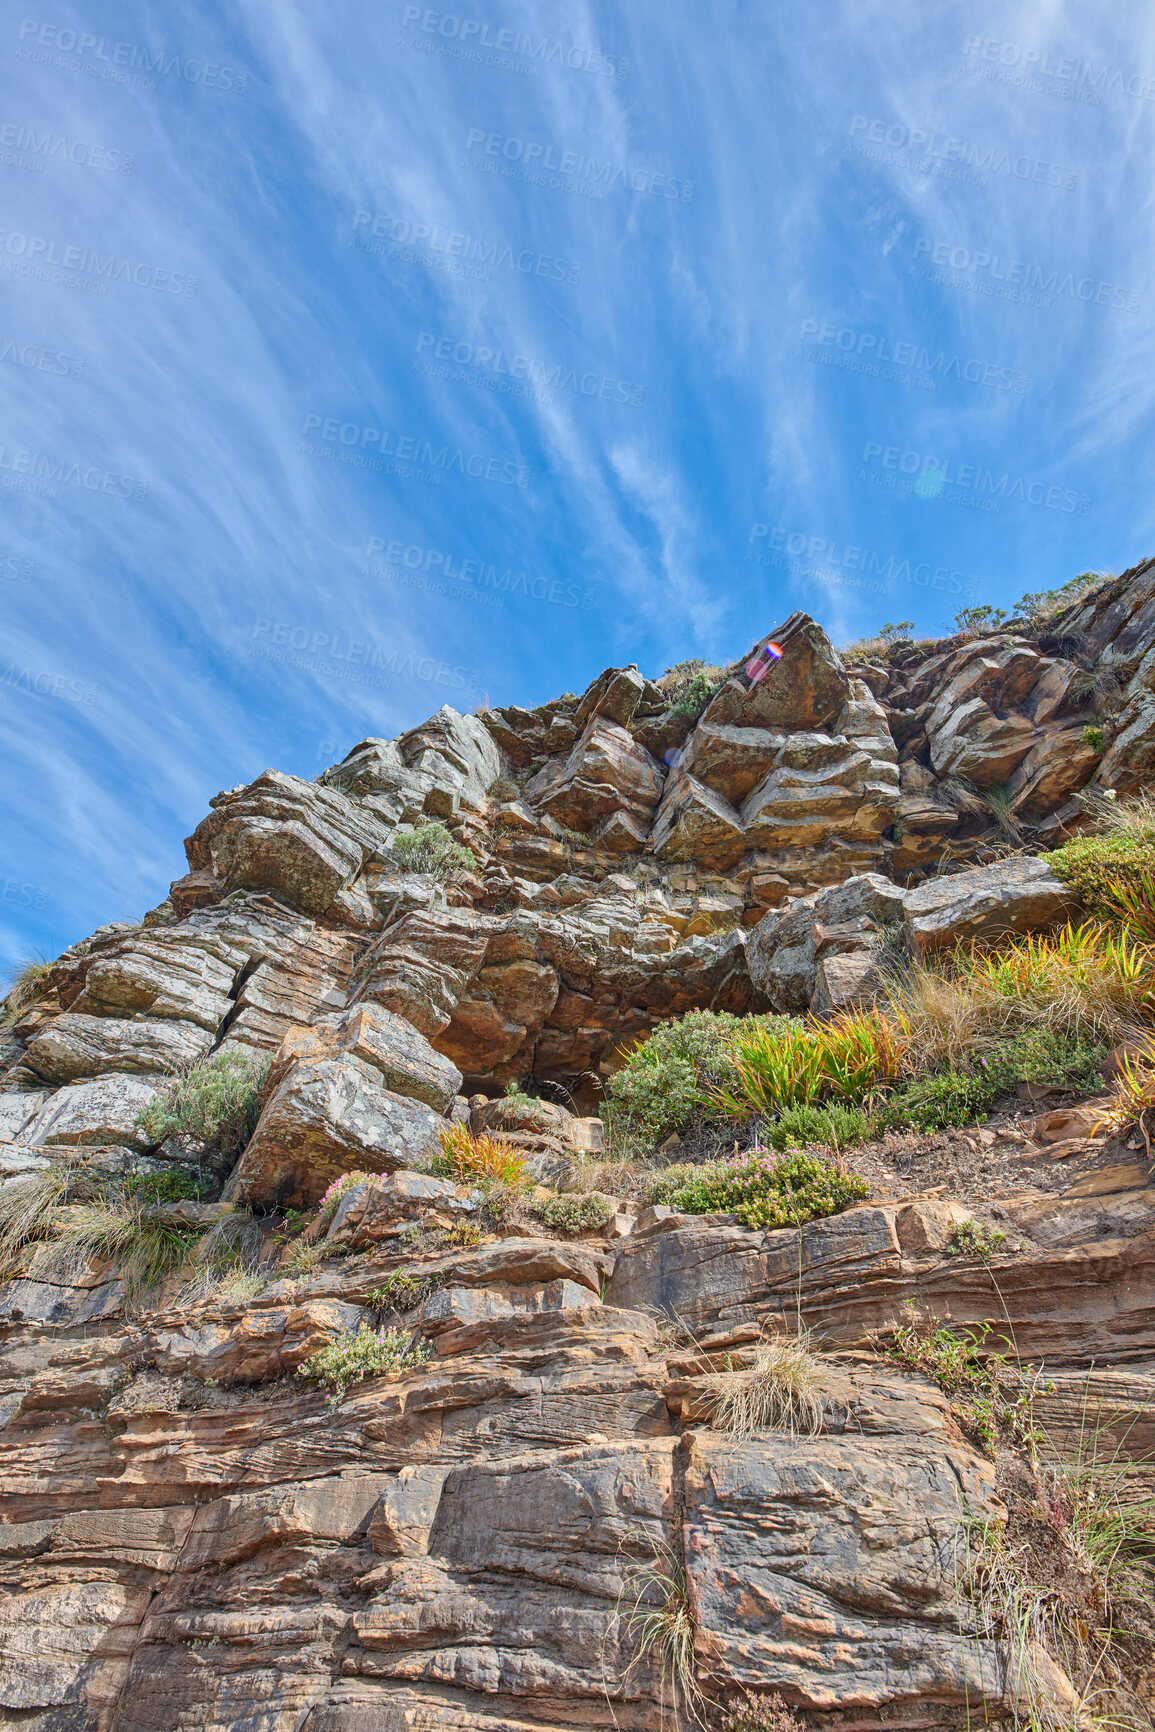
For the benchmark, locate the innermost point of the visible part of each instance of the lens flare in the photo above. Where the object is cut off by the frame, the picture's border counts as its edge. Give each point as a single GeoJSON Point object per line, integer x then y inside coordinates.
{"type": "Point", "coordinates": [763, 661]}
{"type": "Point", "coordinates": [671, 757]}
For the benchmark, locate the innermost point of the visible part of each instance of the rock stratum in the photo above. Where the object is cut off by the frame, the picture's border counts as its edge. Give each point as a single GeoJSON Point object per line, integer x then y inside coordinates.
{"type": "Point", "coordinates": [195, 1540]}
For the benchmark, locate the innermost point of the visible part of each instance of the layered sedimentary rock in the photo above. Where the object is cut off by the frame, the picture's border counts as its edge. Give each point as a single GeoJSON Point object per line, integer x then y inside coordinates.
{"type": "Point", "coordinates": [194, 1538]}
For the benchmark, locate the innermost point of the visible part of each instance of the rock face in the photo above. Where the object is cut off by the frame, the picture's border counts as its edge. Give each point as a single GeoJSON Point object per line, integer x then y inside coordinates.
{"type": "Point", "coordinates": [195, 1538]}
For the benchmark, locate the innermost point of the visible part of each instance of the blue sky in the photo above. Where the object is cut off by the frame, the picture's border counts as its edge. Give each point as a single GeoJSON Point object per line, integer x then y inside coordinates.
{"type": "Point", "coordinates": [355, 360]}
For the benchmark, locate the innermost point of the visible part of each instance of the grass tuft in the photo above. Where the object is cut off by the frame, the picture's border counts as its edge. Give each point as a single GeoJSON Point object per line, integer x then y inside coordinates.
{"type": "Point", "coordinates": [469, 1155]}
{"type": "Point", "coordinates": [776, 1393]}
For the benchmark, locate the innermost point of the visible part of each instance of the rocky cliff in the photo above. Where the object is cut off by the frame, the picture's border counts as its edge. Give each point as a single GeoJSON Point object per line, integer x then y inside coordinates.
{"type": "Point", "coordinates": [195, 1538]}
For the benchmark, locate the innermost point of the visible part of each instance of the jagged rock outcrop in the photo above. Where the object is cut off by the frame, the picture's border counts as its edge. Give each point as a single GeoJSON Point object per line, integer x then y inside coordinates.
{"type": "Point", "coordinates": [194, 1538]}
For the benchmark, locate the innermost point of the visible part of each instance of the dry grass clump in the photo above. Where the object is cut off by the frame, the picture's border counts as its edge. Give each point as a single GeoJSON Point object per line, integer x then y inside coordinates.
{"type": "Point", "coordinates": [661, 1627]}
{"type": "Point", "coordinates": [117, 1229]}
{"type": "Point", "coordinates": [1063, 1586]}
{"type": "Point", "coordinates": [776, 1393]}
{"type": "Point", "coordinates": [1082, 980]}
{"type": "Point", "coordinates": [28, 980]}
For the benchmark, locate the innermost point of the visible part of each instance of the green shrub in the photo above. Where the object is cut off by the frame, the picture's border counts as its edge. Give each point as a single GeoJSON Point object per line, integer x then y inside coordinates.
{"type": "Point", "coordinates": [694, 698]}
{"type": "Point", "coordinates": [362, 1352]}
{"type": "Point", "coordinates": [403, 1292]}
{"type": "Point", "coordinates": [430, 849]}
{"type": "Point", "coordinates": [932, 1103]}
{"type": "Point", "coordinates": [576, 1212]}
{"type": "Point", "coordinates": [831, 1125]}
{"type": "Point", "coordinates": [976, 1239]}
{"type": "Point", "coordinates": [1093, 737]}
{"type": "Point", "coordinates": [173, 1185]}
{"type": "Point", "coordinates": [948, 1097]}
{"type": "Point", "coordinates": [763, 1189]}
{"type": "Point", "coordinates": [995, 1392]}
{"type": "Point", "coordinates": [982, 620]}
{"type": "Point", "coordinates": [663, 1081]}
{"type": "Point", "coordinates": [216, 1103]}
{"type": "Point", "coordinates": [1119, 852]}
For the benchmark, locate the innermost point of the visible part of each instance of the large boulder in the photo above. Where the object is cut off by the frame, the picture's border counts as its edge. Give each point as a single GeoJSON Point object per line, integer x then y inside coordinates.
{"type": "Point", "coordinates": [75, 1046]}
{"type": "Point", "coordinates": [804, 689]}
{"type": "Point", "coordinates": [975, 743]}
{"type": "Point", "coordinates": [299, 839]}
{"type": "Point", "coordinates": [822, 952]}
{"type": "Point", "coordinates": [1062, 762]}
{"type": "Point", "coordinates": [100, 1112]}
{"type": "Point", "coordinates": [986, 903]}
{"type": "Point", "coordinates": [401, 1056]}
{"type": "Point", "coordinates": [327, 1117]}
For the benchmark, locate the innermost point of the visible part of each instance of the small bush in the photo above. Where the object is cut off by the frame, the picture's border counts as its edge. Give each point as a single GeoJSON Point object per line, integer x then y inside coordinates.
{"type": "Point", "coordinates": [430, 849]}
{"type": "Point", "coordinates": [776, 1393]}
{"type": "Point", "coordinates": [468, 1156]}
{"type": "Point", "coordinates": [403, 1292]}
{"type": "Point", "coordinates": [359, 1353]}
{"type": "Point", "coordinates": [1118, 853]}
{"type": "Point", "coordinates": [830, 1125]}
{"type": "Point", "coordinates": [516, 1097]}
{"type": "Point", "coordinates": [981, 621]}
{"type": "Point", "coordinates": [932, 1103]}
{"type": "Point", "coordinates": [216, 1103]}
{"type": "Point", "coordinates": [501, 788]}
{"type": "Point", "coordinates": [174, 1185]}
{"type": "Point", "coordinates": [1082, 981]}
{"type": "Point", "coordinates": [664, 1079]}
{"type": "Point", "coordinates": [762, 1714]}
{"type": "Point", "coordinates": [765, 1190]}
{"type": "Point", "coordinates": [995, 1392]}
{"type": "Point", "coordinates": [976, 1239]}
{"type": "Point", "coordinates": [950, 1097]}
{"type": "Point", "coordinates": [576, 1212]}
{"type": "Point", "coordinates": [694, 698]}
{"type": "Point", "coordinates": [1093, 737]}
{"type": "Point", "coordinates": [465, 1234]}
